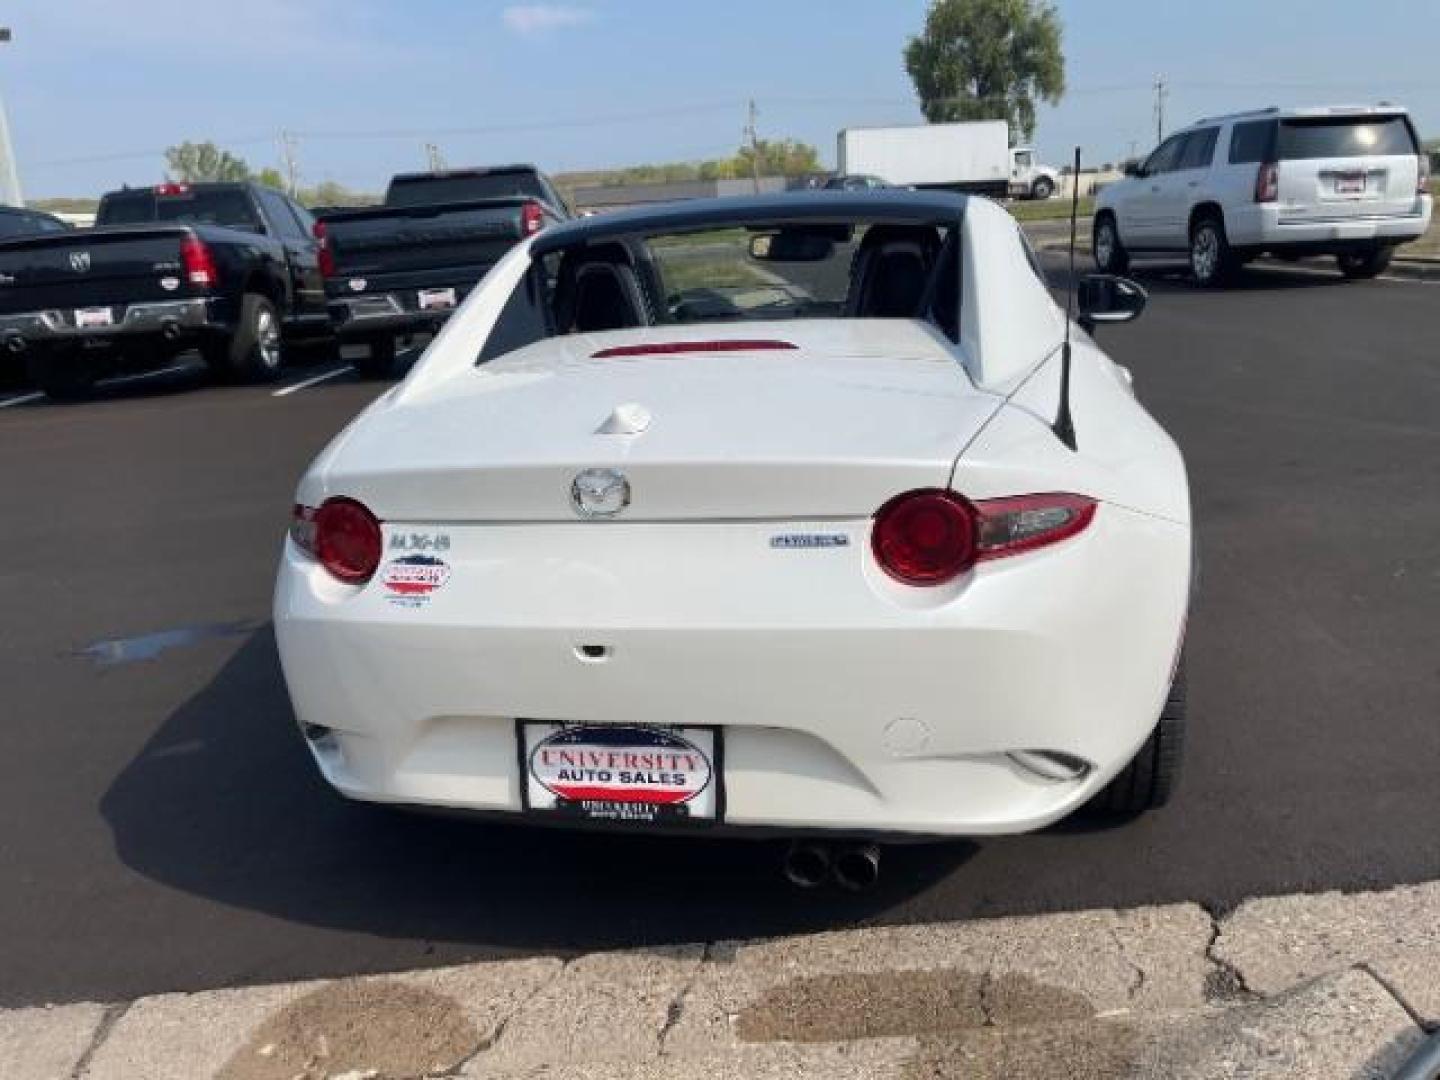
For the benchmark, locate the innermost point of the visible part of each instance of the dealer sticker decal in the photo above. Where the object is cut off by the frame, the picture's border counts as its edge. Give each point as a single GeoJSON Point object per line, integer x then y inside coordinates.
{"type": "Point", "coordinates": [621, 772]}
{"type": "Point", "coordinates": [411, 580]}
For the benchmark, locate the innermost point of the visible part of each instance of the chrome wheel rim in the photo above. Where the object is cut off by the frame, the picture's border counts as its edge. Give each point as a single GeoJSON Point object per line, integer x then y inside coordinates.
{"type": "Point", "coordinates": [1105, 244]}
{"type": "Point", "coordinates": [1205, 253]}
{"type": "Point", "coordinates": [267, 338]}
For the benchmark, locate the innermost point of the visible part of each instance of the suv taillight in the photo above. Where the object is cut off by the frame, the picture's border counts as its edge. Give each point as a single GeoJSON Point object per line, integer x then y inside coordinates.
{"type": "Point", "coordinates": [532, 218]}
{"type": "Point", "coordinates": [197, 262]}
{"type": "Point", "coordinates": [343, 535]}
{"type": "Point", "coordinates": [1267, 182]}
{"type": "Point", "coordinates": [1422, 186]}
{"type": "Point", "coordinates": [930, 537]}
{"type": "Point", "coordinates": [325, 254]}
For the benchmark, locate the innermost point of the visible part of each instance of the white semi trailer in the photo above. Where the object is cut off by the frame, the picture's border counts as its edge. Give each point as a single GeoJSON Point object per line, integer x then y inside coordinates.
{"type": "Point", "coordinates": [973, 156]}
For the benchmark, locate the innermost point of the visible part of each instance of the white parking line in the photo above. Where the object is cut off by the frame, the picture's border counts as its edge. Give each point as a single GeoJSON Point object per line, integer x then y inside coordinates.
{"type": "Point", "coordinates": [121, 380]}
{"type": "Point", "coordinates": [21, 400]}
{"type": "Point", "coordinates": [304, 383]}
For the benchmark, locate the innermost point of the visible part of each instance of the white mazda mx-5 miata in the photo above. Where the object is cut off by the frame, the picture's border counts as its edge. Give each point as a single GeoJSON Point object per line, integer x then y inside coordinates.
{"type": "Point", "coordinates": [776, 513]}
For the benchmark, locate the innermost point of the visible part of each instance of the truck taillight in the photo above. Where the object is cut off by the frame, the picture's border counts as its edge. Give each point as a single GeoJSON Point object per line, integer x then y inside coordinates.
{"type": "Point", "coordinates": [1422, 186]}
{"type": "Point", "coordinates": [930, 536]}
{"type": "Point", "coordinates": [172, 189]}
{"type": "Point", "coordinates": [532, 218]}
{"type": "Point", "coordinates": [326, 255]}
{"type": "Point", "coordinates": [197, 262]}
{"type": "Point", "coordinates": [1267, 182]}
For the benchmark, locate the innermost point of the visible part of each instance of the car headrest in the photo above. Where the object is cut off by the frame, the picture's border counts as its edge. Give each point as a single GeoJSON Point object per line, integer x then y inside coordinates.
{"type": "Point", "coordinates": [891, 270]}
{"type": "Point", "coordinates": [599, 289]}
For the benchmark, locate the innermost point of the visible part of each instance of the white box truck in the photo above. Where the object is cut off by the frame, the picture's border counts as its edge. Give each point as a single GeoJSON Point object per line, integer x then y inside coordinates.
{"type": "Point", "coordinates": [974, 156]}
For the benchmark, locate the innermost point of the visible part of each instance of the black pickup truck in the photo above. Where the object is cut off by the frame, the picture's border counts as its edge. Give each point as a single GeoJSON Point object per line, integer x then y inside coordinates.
{"type": "Point", "coordinates": [402, 268]}
{"type": "Point", "coordinates": [233, 269]}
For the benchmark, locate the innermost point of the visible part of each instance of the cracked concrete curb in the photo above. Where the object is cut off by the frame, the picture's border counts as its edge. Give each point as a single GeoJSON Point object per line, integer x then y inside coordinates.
{"type": "Point", "coordinates": [1290, 986]}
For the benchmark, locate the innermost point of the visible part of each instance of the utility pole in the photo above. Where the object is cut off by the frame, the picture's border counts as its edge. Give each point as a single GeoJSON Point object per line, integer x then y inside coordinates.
{"type": "Point", "coordinates": [753, 138]}
{"type": "Point", "coordinates": [1161, 93]}
{"type": "Point", "coordinates": [9, 176]}
{"type": "Point", "coordinates": [287, 155]}
{"type": "Point", "coordinates": [433, 155]}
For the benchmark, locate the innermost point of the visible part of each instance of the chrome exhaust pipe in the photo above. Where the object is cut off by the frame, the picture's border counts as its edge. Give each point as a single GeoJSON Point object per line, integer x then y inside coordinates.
{"type": "Point", "coordinates": [807, 864]}
{"type": "Point", "coordinates": [170, 331]}
{"type": "Point", "coordinates": [16, 344]}
{"type": "Point", "coordinates": [856, 867]}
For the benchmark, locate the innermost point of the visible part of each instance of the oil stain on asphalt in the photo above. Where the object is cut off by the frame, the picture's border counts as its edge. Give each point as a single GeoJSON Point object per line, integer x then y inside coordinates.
{"type": "Point", "coordinates": [132, 650]}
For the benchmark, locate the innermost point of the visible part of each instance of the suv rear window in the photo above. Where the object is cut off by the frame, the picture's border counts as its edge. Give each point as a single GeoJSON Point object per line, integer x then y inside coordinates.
{"type": "Point", "coordinates": [229, 207]}
{"type": "Point", "coordinates": [429, 190]}
{"type": "Point", "coordinates": [1343, 137]}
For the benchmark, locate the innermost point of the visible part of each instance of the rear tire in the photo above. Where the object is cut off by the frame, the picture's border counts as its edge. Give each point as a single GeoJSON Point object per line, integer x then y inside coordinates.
{"type": "Point", "coordinates": [63, 374]}
{"type": "Point", "coordinates": [1357, 266]}
{"type": "Point", "coordinates": [1212, 262]}
{"type": "Point", "coordinates": [1110, 254]}
{"type": "Point", "coordinates": [252, 352]}
{"type": "Point", "coordinates": [1043, 188]}
{"type": "Point", "coordinates": [1152, 775]}
{"type": "Point", "coordinates": [379, 359]}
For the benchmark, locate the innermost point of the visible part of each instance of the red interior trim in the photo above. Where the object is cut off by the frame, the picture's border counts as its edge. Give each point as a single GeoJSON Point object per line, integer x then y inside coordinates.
{"type": "Point", "coordinates": [668, 348]}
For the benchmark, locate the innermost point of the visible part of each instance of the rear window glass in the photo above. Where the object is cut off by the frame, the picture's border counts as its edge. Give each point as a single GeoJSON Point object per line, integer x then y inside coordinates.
{"type": "Point", "coordinates": [229, 208]}
{"type": "Point", "coordinates": [26, 225]}
{"type": "Point", "coordinates": [1343, 138]}
{"type": "Point", "coordinates": [1252, 141]}
{"type": "Point", "coordinates": [428, 190]}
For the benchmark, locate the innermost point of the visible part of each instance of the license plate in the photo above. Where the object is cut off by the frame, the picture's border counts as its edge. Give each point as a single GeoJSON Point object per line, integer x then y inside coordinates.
{"type": "Point", "coordinates": [621, 772]}
{"type": "Point", "coordinates": [433, 299]}
{"type": "Point", "coordinates": [1350, 184]}
{"type": "Point", "coordinates": [87, 318]}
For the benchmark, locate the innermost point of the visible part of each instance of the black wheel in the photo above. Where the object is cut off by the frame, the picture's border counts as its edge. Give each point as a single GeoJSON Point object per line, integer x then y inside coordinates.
{"type": "Point", "coordinates": [379, 359]}
{"type": "Point", "coordinates": [1110, 254]}
{"type": "Point", "coordinates": [252, 352]}
{"type": "Point", "coordinates": [1364, 264]}
{"type": "Point", "coordinates": [1043, 188]}
{"type": "Point", "coordinates": [1150, 778]}
{"type": "Point", "coordinates": [1211, 260]}
{"type": "Point", "coordinates": [63, 374]}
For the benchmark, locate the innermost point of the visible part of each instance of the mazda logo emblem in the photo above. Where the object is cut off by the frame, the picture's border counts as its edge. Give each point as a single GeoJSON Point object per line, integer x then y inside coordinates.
{"type": "Point", "coordinates": [599, 493]}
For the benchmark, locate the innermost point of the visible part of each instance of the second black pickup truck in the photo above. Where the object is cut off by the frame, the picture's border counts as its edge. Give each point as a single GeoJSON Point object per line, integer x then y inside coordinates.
{"type": "Point", "coordinates": [402, 268]}
{"type": "Point", "coordinates": [233, 269]}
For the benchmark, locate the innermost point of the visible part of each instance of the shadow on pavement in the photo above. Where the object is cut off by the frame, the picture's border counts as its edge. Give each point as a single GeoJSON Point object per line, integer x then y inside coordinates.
{"type": "Point", "coordinates": [224, 803]}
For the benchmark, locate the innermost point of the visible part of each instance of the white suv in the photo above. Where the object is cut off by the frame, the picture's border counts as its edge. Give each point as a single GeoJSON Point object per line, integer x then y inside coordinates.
{"type": "Point", "coordinates": [1348, 182]}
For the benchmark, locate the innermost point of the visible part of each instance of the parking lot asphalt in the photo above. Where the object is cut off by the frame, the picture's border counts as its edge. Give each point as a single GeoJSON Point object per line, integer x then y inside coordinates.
{"type": "Point", "coordinates": [161, 826]}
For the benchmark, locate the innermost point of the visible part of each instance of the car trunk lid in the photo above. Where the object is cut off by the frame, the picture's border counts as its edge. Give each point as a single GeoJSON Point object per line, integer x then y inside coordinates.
{"type": "Point", "coordinates": [803, 420]}
{"type": "Point", "coordinates": [1339, 167]}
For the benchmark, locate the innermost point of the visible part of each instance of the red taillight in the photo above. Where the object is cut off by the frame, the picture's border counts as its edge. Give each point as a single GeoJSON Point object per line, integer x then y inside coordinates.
{"type": "Point", "coordinates": [343, 535]}
{"type": "Point", "coordinates": [172, 189]}
{"type": "Point", "coordinates": [532, 218]}
{"type": "Point", "coordinates": [1267, 182]}
{"type": "Point", "coordinates": [1422, 186]}
{"type": "Point", "coordinates": [197, 262]}
{"type": "Point", "coordinates": [931, 536]}
{"type": "Point", "coordinates": [325, 254]}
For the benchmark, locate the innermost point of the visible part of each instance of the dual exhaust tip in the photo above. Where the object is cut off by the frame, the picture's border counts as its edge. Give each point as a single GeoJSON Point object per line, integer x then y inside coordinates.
{"type": "Point", "coordinates": [855, 867]}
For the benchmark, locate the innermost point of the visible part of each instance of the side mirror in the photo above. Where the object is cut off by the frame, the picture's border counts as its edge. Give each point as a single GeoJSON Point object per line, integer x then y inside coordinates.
{"type": "Point", "coordinates": [1105, 298]}
{"type": "Point", "coordinates": [1134, 168]}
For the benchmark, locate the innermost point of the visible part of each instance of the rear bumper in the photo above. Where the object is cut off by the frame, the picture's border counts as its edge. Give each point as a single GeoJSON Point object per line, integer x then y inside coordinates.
{"type": "Point", "coordinates": [846, 703]}
{"type": "Point", "coordinates": [169, 318]}
{"type": "Point", "coordinates": [1267, 228]}
{"type": "Point", "coordinates": [386, 313]}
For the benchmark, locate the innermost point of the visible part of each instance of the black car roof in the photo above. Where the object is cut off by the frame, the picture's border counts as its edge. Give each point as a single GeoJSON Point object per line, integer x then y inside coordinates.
{"type": "Point", "coordinates": [900, 207]}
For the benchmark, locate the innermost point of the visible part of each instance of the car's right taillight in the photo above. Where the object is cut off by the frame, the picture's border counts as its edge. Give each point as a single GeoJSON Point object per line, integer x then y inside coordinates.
{"type": "Point", "coordinates": [342, 535]}
{"type": "Point", "coordinates": [1422, 186]}
{"type": "Point", "coordinates": [324, 251]}
{"type": "Point", "coordinates": [197, 262]}
{"type": "Point", "coordinates": [1267, 182]}
{"type": "Point", "coordinates": [532, 218]}
{"type": "Point", "coordinates": [932, 536]}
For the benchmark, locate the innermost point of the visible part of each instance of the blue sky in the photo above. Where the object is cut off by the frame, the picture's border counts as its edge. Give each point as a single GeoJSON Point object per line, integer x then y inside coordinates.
{"type": "Point", "coordinates": [95, 88]}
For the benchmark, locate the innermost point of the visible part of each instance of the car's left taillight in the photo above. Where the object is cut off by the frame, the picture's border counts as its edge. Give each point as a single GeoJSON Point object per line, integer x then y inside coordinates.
{"type": "Point", "coordinates": [342, 535]}
{"type": "Point", "coordinates": [324, 253]}
{"type": "Point", "coordinates": [532, 218]}
{"type": "Point", "coordinates": [932, 536]}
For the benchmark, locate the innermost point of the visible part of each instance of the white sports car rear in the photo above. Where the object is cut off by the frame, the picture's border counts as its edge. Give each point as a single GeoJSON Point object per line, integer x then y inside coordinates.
{"type": "Point", "coordinates": [750, 513]}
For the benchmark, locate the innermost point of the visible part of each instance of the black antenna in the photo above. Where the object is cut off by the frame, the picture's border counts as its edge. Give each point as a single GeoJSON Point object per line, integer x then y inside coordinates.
{"type": "Point", "coordinates": [1064, 426]}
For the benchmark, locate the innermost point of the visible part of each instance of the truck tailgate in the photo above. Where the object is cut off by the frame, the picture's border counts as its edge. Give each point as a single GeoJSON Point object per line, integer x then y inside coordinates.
{"type": "Point", "coordinates": [91, 267]}
{"type": "Point", "coordinates": [451, 243]}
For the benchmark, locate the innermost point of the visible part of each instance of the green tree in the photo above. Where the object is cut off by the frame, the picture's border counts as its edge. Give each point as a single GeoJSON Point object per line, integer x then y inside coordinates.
{"type": "Point", "coordinates": [270, 177]}
{"type": "Point", "coordinates": [987, 60]}
{"type": "Point", "coordinates": [782, 157]}
{"type": "Point", "coordinates": [194, 163]}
